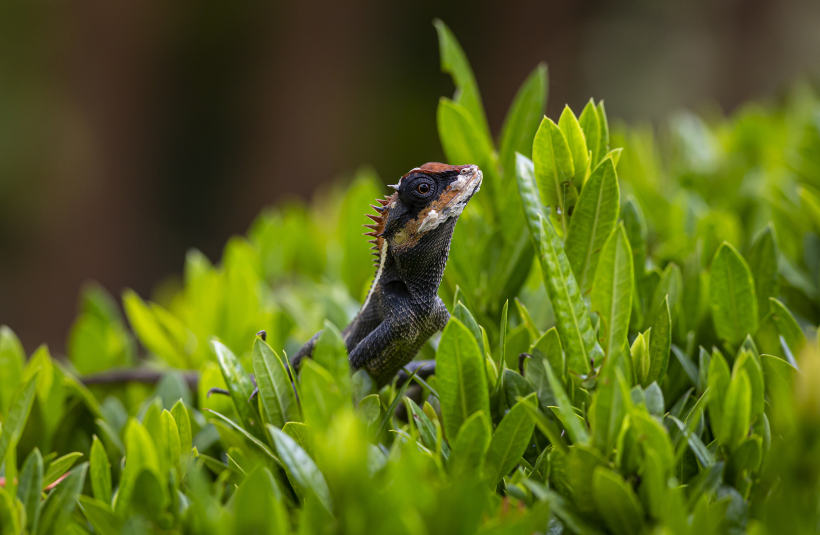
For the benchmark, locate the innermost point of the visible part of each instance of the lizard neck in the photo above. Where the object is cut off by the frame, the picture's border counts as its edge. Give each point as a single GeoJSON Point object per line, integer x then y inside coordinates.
{"type": "Point", "coordinates": [421, 267]}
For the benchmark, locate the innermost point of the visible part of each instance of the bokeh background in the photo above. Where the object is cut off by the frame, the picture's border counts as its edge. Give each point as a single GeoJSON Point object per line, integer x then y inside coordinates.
{"type": "Point", "coordinates": [131, 132]}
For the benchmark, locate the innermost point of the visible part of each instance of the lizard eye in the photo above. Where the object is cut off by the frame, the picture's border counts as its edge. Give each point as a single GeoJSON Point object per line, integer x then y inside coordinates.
{"type": "Point", "coordinates": [423, 188]}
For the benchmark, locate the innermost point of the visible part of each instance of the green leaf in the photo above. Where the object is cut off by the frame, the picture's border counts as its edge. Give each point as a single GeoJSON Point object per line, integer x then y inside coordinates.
{"type": "Point", "coordinates": [528, 193]}
{"type": "Point", "coordinates": [239, 386]}
{"type": "Point", "coordinates": [787, 326]}
{"type": "Point", "coordinates": [454, 62]}
{"type": "Point", "coordinates": [575, 429]}
{"type": "Point", "coordinates": [12, 358]}
{"type": "Point", "coordinates": [553, 165]}
{"type": "Point", "coordinates": [141, 454]}
{"type": "Point", "coordinates": [261, 445]}
{"type": "Point", "coordinates": [18, 414]}
{"type": "Point", "coordinates": [719, 379]}
{"type": "Point", "coordinates": [370, 408]}
{"type": "Point", "coordinates": [523, 119]}
{"type": "Point", "coordinates": [732, 294]}
{"type": "Point", "coordinates": [592, 222]}
{"type": "Point", "coordinates": [592, 132]}
{"type": "Point", "coordinates": [426, 429]}
{"type": "Point", "coordinates": [603, 140]}
{"type": "Point", "coordinates": [59, 467]}
{"type": "Point", "coordinates": [275, 389]}
{"type": "Point", "coordinates": [100, 472]}
{"type": "Point", "coordinates": [546, 348]}
{"type": "Point", "coordinates": [30, 488]}
{"type": "Point", "coordinates": [747, 362]}
{"type": "Point", "coordinates": [464, 143]}
{"type": "Point", "coordinates": [330, 353]}
{"type": "Point", "coordinates": [737, 410]}
{"type": "Point", "coordinates": [169, 448]}
{"type": "Point", "coordinates": [301, 468]}
{"type": "Point", "coordinates": [612, 291]}
{"type": "Point", "coordinates": [160, 333]}
{"type": "Point", "coordinates": [464, 316]}
{"type": "Point", "coordinates": [660, 344]}
{"type": "Point", "coordinates": [571, 317]}
{"type": "Point", "coordinates": [509, 441]}
{"type": "Point", "coordinates": [101, 516]}
{"type": "Point", "coordinates": [669, 288]}
{"type": "Point", "coordinates": [60, 504]}
{"type": "Point", "coordinates": [617, 503]}
{"type": "Point", "coordinates": [470, 446]}
{"type": "Point", "coordinates": [256, 508]}
{"type": "Point", "coordinates": [461, 376]}
{"type": "Point", "coordinates": [576, 141]}
{"type": "Point", "coordinates": [502, 343]}
{"type": "Point", "coordinates": [641, 361]}
{"type": "Point", "coordinates": [779, 373]}
{"type": "Point", "coordinates": [180, 414]}
{"type": "Point", "coordinates": [762, 259]}
{"type": "Point", "coordinates": [608, 410]}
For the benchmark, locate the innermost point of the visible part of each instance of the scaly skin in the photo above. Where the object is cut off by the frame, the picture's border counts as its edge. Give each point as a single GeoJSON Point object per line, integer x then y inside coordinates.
{"type": "Point", "coordinates": [412, 236]}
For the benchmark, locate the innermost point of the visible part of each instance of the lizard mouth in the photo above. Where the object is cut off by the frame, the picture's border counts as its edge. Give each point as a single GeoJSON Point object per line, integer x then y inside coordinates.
{"type": "Point", "coordinates": [454, 198]}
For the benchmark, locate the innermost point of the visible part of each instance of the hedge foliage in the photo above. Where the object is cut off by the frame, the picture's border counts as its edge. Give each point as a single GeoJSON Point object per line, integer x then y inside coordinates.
{"type": "Point", "coordinates": [633, 349]}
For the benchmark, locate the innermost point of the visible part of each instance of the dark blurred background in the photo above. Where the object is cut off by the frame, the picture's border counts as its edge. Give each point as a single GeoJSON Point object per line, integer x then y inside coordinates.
{"type": "Point", "coordinates": [133, 131]}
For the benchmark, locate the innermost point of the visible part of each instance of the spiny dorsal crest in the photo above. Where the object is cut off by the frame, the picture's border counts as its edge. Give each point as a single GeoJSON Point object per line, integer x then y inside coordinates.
{"type": "Point", "coordinates": [377, 227]}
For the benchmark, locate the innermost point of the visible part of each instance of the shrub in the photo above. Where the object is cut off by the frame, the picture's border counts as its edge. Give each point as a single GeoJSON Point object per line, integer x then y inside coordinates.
{"type": "Point", "coordinates": [623, 355]}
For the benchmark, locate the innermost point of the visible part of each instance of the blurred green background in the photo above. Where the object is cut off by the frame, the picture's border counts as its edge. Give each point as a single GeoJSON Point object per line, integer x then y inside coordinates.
{"type": "Point", "coordinates": [132, 132]}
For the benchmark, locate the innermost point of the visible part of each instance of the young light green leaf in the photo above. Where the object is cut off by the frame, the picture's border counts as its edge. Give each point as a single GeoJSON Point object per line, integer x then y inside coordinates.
{"type": "Point", "coordinates": [762, 259]}
{"type": "Point", "coordinates": [603, 140]}
{"type": "Point", "coordinates": [546, 348]}
{"type": "Point", "coordinates": [100, 515]}
{"type": "Point", "coordinates": [256, 508]}
{"type": "Point", "coordinates": [509, 441]}
{"type": "Point", "coordinates": [719, 378]}
{"type": "Point", "coordinates": [660, 343]}
{"type": "Point", "coordinates": [641, 361]}
{"type": "Point", "coordinates": [732, 295]}
{"type": "Point", "coordinates": [529, 195]}
{"type": "Point", "coordinates": [278, 397]}
{"type": "Point", "coordinates": [169, 447]}
{"type": "Point", "coordinates": [737, 410]}
{"type": "Point", "coordinates": [60, 504]}
{"type": "Point", "coordinates": [523, 118]}
{"type": "Point", "coordinates": [470, 445]}
{"type": "Point", "coordinates": [239, 386]}
{"type": "Point", "coordinates": [612, 291]}
{"type": "Point", "coordinates": [15, 422]}
{"type": "Point", "coordinates": [454, 62]}
{"type": "Point", "coordinates": [576, 430]}
{"type": "Point", "coordinates": [461, 376]}
{"type": "Point", "coordinates": [592, 132]}
{"type": "Point", "coordinates": [787, 326]}
{"type": "Point", "coordinates": [100, 471]}
{"type": "Point", "coordinates": [183, 421]}
{"type": "Point", "coordinates": [592, 222]}
{"type": "Point", "coordinates": [30, 488]}
{"type": "Point", "coordinates": [552, 161]}
{"type": "Point", "coordinates": [60, 466]}
{"type": "Point", "coordinates": [141, 454]}
{"type": "Point", "coordinates": [571, 317]}
{"type": "Point", "coordinates": [465, 316]}
{"type": "Point", "coordinates": [301, 467]}
{"type": "Point", "coordinates": [747, 362]}
{"type": "Point", "coordinates": [12, 358]}
{"type": "Point", "coordinates": [617, 503]}
{"type": "Point", "coordinates": [370, 408]}
{"type": "Point", "coordinates": [577, 143]}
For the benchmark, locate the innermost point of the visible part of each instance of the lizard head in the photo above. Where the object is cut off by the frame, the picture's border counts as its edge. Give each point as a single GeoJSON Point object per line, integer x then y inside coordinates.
{"type": "Point", "coordinates": [428, 199]}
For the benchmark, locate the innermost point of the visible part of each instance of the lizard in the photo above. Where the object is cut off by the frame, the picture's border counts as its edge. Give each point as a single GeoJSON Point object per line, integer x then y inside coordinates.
{"type": "Point", "coordinates": [411, 235]}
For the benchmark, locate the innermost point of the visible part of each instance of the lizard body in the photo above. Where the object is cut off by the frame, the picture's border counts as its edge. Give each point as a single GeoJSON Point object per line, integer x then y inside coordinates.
{"type": "Point", "coordinates": [412, 235]}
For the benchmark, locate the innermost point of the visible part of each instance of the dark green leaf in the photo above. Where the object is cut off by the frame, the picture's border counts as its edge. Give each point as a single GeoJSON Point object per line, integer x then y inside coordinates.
{"type": "Point", "coordinates": [470, 445]}
{"type": "Point", "coordinates": [30, 488]}
{"type": "Point", "coordinates": [239, 386]}
{"type": "Point", "coordinates": [100, 472]}
{"type": "Point", "coordinates": [275, 389]}
{"type": "Point", "coordinates": [523, 118]}
{"type": "Point", "coordinates": [552, 161]}
{"type": "Point", "coordinates": [301, 467]}
{"type": "Point", "coordinates": [762, 259]}
{"type": "Point", "coordinates": [60, 504]}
